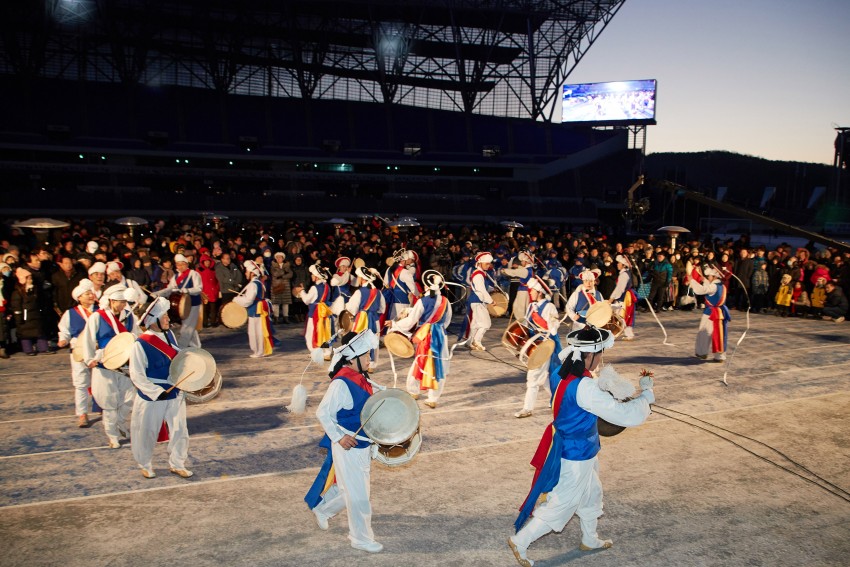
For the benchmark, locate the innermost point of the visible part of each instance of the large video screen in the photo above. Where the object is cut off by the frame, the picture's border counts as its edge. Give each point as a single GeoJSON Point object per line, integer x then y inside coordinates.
{"type": "Point", "coordinates": [617, 102]}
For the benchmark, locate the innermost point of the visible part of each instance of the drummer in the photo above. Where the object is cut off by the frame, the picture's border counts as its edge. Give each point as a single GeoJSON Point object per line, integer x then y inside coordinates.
{"type": "Point", "coordinates": [186, 281]}
{"type": "Point", "coordinates": [477, 317]}
{"type": "Point", "coordinates": [71, 325]}
{"type": "Point", "coordinates": [253, 298]}
{"type": "Point", "coordinates": [341, 280]}
{"type": "Point", "coordinates": [150, 361]}
{"type": "Point", "coordinates": [524, 273]}
{"type": "Point", "coordinates": [582, 298]}
{"type": "Point", "coordinates": [366, 306]}
{"type": "Point", "coordinates": [115, 276]}
{"type": "Point", "coordinates": [432, 314]}
{"type": "Point", "coordinates": [343, 481]}
{"type": "Point", "coordinates": [401, 287]}
{"type": "Point", "coordinates": [319, 329]}
{"type": "Point", "coordinates": [112, 389]}
{"type": "Point", "coordinates": [624, 294]}
{"type": "Point", "coordinates": [541, 317]}
{"type": "Point", "coordinates": [97, 275]}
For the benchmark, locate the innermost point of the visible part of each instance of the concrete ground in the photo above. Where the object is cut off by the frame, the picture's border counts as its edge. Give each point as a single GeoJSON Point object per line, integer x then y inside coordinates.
{"type": "Point", "coordinates": [753, 473]}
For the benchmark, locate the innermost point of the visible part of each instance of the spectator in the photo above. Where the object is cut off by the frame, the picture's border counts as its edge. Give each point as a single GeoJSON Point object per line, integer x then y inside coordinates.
{"type": "Point", "coordinates": [662, 278]}
{"type": "Point", "coordinates": [835, 306]}
{"type": "Point", "coordinates": [759, 288]}
{"type": "Point", "coordinates": [229, 278]}
{"type": "Point", "coordinates": [800, 303]}
{"type": "Point", "coordinates": [744, 269]}
{"type": "Point", "coordinates": [28, 314]}
{"type": "Point", "coordinates": [211, 290]}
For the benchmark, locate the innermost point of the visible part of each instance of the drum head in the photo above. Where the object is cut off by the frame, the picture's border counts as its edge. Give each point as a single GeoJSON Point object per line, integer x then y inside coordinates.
{"type": "Point", "coordinates": [117, 351]}
{"type": "Point", "coordinates": [185, 306]}
{"type": "Point", "coordinates": [500, 304]}
{"type": "Point", "coordinates": [77, 354]}
{"type": "Point", "coordinates": [541, 354]}
{"type": "Point", "coordinates": [234, 315]}
{"type": "Point", "coordinates": [346, 321]}
{"type": "Point", "coordinates": [515, 337]}
{"type": "Point", "coordinates": [359, 263]}
{"type": "Point", "coordinates": [206, 393]}
{"type": "Point", "coordinates": [599, 314]}
{"type": "Point", "coordinates": [394, 417]}
{"type": "Point", "coordinates": [399, 345]}
{"type": "Point", "coordinates": [192, 369]}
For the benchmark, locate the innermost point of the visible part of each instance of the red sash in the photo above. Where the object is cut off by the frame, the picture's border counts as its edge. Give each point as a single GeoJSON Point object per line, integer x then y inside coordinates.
{"type": "Point", "coordinates": [355, 377]}
{"type": "Point", "coordinates": [109, 317]}
{"type": "Point", "coordinates": [159, 345]}
{"type": "Point", "coordinates": [373, 295]}
{"type": "Point", "coordinates": [538, 320]}
{"type": "Point", "coordinates": [439, 311]}
{"type": "Point", "coordinates": [180, 278]}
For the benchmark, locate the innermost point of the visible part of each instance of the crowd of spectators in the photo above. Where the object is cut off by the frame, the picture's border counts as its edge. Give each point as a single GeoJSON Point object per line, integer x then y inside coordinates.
{"type": "Point", "coordinates": [37, 277]}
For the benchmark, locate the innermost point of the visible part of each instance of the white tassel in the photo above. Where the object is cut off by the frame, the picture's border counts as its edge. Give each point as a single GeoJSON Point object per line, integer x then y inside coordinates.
{"type": "Point", "coordinates": [299, 400]}
{"type": "Point", "coordinates": [611, 382]}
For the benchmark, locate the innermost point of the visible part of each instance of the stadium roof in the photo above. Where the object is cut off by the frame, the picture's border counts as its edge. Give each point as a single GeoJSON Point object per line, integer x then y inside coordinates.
{"type": "Point", "coordinates": [497, 57]}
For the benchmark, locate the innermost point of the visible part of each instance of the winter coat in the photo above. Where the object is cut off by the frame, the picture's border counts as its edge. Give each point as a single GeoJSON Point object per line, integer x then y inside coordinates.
{"type": "Point", "coordinates": [818, 297]}
{"type": "Point", "coordinates": [761, 281]}
{"type": "Point", "coordinates": [24, 304]}
{"type": "Point", "coordinates": [281, 283]}
{"type": "Point", "coordinates": [209, 281]}
{"type": "Point", "coordinates": [229, 277]}
{"type": "Point", "coordinates": [783, 296]}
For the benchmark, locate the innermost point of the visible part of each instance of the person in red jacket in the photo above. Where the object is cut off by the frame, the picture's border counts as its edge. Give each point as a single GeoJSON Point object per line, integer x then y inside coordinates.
{"type": "Point", "coordinates": [211, 290]}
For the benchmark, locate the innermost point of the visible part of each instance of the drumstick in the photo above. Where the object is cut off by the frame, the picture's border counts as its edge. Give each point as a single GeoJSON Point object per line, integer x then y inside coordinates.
{"type": "Point", "coordinates": [368, 418]}
{"type": "Point", "coordinates": [168, 391]}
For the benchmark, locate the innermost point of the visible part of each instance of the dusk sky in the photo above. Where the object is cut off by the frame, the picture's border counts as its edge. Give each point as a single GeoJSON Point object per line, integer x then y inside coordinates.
{"type": "Point", "coordinates": [769, 78]}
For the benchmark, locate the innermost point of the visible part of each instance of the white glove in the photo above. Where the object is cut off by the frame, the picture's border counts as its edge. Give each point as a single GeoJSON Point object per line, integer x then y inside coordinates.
{"type": "Point", "coordinates": [646, 383]}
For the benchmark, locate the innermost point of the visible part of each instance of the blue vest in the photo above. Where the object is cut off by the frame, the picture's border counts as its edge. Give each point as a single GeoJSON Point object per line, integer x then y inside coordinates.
{"type": "Point", "coordinates": [261, 295]}
{"type": "Point", "coordinates": [350, 418]}
{"type": "Point", "coordinates": [400, 290]}
{"type": "Point", "coordinates": [523, 280]}
{"type": "Point", "coordinates": [320, 290]}
{"type": "Point", "coordinates": [714, 299]}
{"type": "Point", "coordinates": [76, 322]}
{"type": "Point", "coordinates": [105, 333]}
{"type": "Point", "coordinates": [429, 304]}
{"type": "Point", "coordinates": [196, 299]}
{"type": "Point", "coordinates": [157, 368]}
{"type": "Point", "coordinates": [582, 304]}
{"type": "Point", "coordinates": [629, 286]}
{"type": "Point", "coordinates": [576, 427]}
{"type": "Point", "coordinates": [473, 297]}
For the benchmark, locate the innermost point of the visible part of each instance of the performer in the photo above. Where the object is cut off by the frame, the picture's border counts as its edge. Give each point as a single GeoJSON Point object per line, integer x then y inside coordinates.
{"type": "Point", "coordinates": [343, 481]}
{"type": "Point", "coordinates": [115, 276]}
{"type": "Point", "coordinates": [477, 320]}
{"type": "Point", "coordinates": [71, 326]}
{"type": "Point", "coordinates": [149, 365]}
{"type": "Point", "coordinates": [566, 459]}
{"type": "Point", "coordinates": [524, 273]}
{"type": "Point", "coordinates": [253, 298]}
{"type": "Point", "coordinates": [97, 276]}
{"type": "Point", "coordinates": [432, 314]}
{"type": "Point", "coordinates": [715, 317]}
{"type": "Point", "coordinates": [112, 389]}
{"type": "Point", "coordinates": [366, 306]}
{"type": "Point", "coordinates": [542, 317]}
{"type": "Point", "coordinates": [186, 281]}
{"type": "Point", "coordinates": [401, 287]}
{"type": "Point", "coordinates": [320, 326]}
{"type": "Point", "coordinates": [582, 298]}
{"type": "Point", "coordinates": [342, 280]}
{"type": "Point", "coordinates": [625, 295]}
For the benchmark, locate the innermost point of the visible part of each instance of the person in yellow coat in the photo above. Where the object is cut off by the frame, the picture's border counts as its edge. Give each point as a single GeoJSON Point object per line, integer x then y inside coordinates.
{"type": "Point", "coordinates": [783, 296]}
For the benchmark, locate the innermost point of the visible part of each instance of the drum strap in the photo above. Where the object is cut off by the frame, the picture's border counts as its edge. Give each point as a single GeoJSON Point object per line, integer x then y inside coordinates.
{"type": "Point", "coordinates": [116, 325]}
{"type": "Point", "coordinates": [160, 345]}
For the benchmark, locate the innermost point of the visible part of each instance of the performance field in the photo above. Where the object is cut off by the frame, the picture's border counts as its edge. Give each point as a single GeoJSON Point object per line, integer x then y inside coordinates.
{"type": "Point", "coordinates": [756, 472]}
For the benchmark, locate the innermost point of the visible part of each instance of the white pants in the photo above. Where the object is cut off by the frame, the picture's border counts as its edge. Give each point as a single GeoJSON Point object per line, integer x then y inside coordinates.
{"type": "Point", "coordinates": [81, 378]}
{"type": "Point", "coordinates": [396, 310]}
{"type": "Point", "coordinates": [189, 329]}
{"type": "Point", "coordinates": [308, 338]}
{"type": "Point", "coordinates": [520, 305]}
{"type": "Point", "coordinates": [579, 492]}
{"type": "Point", "coordinates": [255, 335]}
{"type": "Point", "coordinates": [480, 322]}
{"type": "Point", "coordinates": [351, 492]}
{"type": "Point", "coordinates": [534, 379]}
{"type": "Point", "coordinates": [147, 421]}
{"type": "Point", "coordinates": [114, 393]}
{"type": "Point", "coordinates": [703, 342]}
{"type": "Point", "coordinates": [413, 387]}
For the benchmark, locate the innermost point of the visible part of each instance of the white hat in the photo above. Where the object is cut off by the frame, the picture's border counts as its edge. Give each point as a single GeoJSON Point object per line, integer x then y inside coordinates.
{"type": "Point", "coordinates": [251, 267]}
{"type": "Point", "coordinates": [82, 287]}
{"type": "Point", "coordinates": [536, 283]}
{"type": "Point", "coordinates": [115, 293]}
{"type": "Point", "coordinates": [316, 271]}
{"type": "Point", "coordinates": [525, 257]}
{"type": "Point", "coordinates": [356, 346]}
{"type": "Point", "coordinates": [114, 267]}
{"type": "Point", "coordinates": [155, 310]}
{"type": "Point", "coordinates": [97, 268]}
{"type": "Point", "coordinates": [131, 295]}
{"type": "Point", "coordinates": [279, 253]}
{"type": "Point", "coordinates": [623, 260]}
{"type": "Point", "coordinates": [710, 271]}
{"type": "Point", "coordinates": [484, 258]}
{"type": "Point", "coordinates": [408, 255]}
{"type": "Point", "coordinates": [91, 247]}
{"type": "Point", "coordinates": [364, 274]}
{"type": "Point", "coordinates": [588, 339]}
{"type": "Point", "coordinates": [342, 261]}
{"type": "Point", "coordinates": [180, 258]}
{"type": "Point", "coordinates": [433, 280]}
{"type": "Point", "coordinates": [589, 275]}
